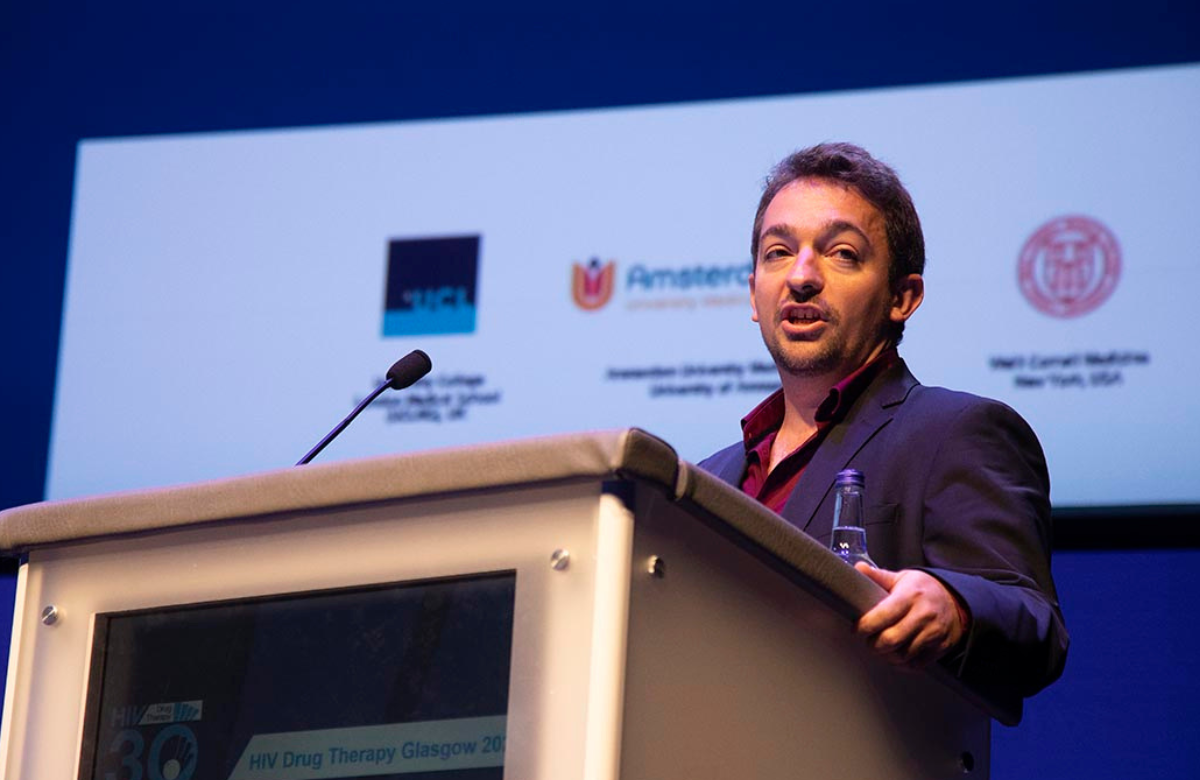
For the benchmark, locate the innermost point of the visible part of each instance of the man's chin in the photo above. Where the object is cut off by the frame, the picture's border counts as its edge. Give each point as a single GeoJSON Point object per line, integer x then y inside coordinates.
{"type": "Point", "coordinates": [805, 363]}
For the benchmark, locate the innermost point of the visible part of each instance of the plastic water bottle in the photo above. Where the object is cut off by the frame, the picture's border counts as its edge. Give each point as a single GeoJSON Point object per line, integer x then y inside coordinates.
{"type": "Point", "coordinates": [849, 527]}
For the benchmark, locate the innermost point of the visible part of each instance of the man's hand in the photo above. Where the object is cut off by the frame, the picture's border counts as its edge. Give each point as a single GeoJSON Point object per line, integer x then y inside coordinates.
{"type": "Point", "coordinates": [917, 623]}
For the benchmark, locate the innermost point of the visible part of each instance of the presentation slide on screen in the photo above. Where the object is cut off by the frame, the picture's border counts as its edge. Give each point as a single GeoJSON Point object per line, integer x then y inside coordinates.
{"type": "Point", "coordinates": [401, 681]}
{"type": "Point", "coordinates": [231, 296]}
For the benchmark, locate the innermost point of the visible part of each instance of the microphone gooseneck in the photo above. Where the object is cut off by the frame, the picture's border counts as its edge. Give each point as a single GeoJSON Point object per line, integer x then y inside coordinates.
{"type": "Point", "coordinates": [404, 372]}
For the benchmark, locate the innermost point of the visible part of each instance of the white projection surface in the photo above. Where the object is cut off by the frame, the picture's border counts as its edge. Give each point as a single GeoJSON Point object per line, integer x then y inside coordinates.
{"type": "Point", "coordinates": [227, 297]}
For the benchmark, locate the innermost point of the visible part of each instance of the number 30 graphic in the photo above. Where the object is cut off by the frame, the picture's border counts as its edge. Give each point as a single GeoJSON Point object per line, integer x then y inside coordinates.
{"type": "Point", "coordinates": [172, 754]}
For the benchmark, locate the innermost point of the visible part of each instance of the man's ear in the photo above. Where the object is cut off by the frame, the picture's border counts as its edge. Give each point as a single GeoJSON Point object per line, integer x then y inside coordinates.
{"type": "Point", "coordinates": [906, 297]}
{"type": "Point", "coordinates": [753, 305]}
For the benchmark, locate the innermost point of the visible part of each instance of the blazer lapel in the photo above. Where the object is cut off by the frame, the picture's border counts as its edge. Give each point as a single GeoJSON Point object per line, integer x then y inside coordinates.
{"type": "Point", "coordinates": [733, 468]}
{"type": "Point", "coordinates": [870, 413]}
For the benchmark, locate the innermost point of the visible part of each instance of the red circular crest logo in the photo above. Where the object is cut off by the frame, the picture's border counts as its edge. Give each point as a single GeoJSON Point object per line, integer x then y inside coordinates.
{"type": "Point", "coordinates": [1069, 266]}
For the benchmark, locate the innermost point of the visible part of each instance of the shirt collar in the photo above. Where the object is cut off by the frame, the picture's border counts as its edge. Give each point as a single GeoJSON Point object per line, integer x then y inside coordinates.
{"type": "Point", "coordinates": [767, 417]}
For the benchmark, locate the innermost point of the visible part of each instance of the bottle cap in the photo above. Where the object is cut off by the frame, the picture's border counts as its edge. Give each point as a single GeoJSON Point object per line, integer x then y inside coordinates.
{"type": "Point", "coordinates": [852, 477]}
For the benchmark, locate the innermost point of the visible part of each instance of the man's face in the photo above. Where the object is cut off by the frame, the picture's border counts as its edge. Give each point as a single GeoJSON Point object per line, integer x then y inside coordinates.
{"type": "Point", "coordinates": [820, 291]}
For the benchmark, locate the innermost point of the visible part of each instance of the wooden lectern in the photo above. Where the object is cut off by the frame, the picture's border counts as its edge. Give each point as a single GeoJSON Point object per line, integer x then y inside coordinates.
{"type": "Point", "coordinates": [662, 625]}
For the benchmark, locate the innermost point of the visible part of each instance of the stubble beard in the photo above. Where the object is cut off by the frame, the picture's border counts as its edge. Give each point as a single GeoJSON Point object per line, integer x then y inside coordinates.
{"type": "Point", "coordinates": [822, 359]}
{"type": "Point", "coordinates": [817, 358]}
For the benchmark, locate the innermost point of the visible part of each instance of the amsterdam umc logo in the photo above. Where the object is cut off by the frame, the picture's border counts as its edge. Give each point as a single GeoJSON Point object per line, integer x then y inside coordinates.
{"type": "Point", "coordinates": [592, 284]}
{"type": "Point", "coordinates": [431, 286]}
{"type": "Point", "coordinates": [1069, 266]}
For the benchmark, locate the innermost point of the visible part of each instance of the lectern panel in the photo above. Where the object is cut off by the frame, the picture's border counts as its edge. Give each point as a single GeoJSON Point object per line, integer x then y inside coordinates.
{"type": "Point", "coordinates": [562, 549]}
{"type": "Point", "coordinates": [399, 680]}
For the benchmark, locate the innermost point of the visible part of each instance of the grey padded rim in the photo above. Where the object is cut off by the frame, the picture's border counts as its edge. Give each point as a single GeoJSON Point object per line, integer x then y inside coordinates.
{"type": "Point", "coordinates": [315, 486]}
{"type": "Point", "coordinates": [624, 454]}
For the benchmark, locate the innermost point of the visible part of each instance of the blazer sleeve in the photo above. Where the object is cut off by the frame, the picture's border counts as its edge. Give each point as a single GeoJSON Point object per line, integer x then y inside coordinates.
{"type": "Point", "coordinates": [986, 534]}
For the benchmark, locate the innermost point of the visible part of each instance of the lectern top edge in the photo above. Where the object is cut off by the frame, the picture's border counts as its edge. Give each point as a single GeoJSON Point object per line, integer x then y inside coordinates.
{"type": "Point", "coordinates": [593, 455]}
{"type": "Point", "coordinates": [629, 454]}
{"type": "Point", "coordinates": [603, 455]}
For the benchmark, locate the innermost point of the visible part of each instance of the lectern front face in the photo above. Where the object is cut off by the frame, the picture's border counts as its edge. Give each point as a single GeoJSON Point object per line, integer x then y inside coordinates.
{"type": "Point", "coordinates": [332, 683]}
{"type": "Point", "coordinates": [452, 637]}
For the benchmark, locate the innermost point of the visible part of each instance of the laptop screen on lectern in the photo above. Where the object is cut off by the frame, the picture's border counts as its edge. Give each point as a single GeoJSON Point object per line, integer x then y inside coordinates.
{"type": "Point", "coordinates": [405, 680]}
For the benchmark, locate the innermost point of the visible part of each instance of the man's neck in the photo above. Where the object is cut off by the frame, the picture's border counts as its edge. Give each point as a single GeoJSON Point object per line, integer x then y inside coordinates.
{"type": "Point", "coordinates": [799, 419]}
{"type": "Point", "coordinates": [803, 395]}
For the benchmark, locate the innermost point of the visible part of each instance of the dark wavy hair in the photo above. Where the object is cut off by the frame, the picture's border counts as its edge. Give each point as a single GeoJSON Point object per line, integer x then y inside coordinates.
{"type": "Point", "coordinates": [875, 181]}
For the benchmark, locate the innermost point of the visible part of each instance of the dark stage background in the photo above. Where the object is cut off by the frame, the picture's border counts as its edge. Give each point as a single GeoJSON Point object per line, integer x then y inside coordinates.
{"type": "Point", "coordinates": [72, 70]}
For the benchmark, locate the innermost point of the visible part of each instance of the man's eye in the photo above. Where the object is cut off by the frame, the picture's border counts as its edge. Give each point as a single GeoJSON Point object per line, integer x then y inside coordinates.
{"type": "Point", "coordinates": [774, 253]}
{"type": "Point", "coordinates": [844, 253]}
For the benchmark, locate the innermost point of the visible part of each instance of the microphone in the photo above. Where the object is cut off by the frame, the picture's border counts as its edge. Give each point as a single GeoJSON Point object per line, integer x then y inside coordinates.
{"type": "Point", "coordinates": [408, 370]}
{"type": "Point", "coordinates": [403, 373]}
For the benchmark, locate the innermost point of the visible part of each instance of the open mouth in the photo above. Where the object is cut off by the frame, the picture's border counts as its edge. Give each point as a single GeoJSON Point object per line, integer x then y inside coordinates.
{"type": "Point", "coordinates": [802, 314]}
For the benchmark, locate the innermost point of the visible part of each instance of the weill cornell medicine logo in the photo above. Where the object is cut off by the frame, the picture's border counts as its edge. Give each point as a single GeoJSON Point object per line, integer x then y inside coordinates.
{"type": "Point", "coordinates": [1069, 266]}
{"type": "Point", "coordinates": [431, 285]}
{"type": "Point", "coordinates": [592, 284]}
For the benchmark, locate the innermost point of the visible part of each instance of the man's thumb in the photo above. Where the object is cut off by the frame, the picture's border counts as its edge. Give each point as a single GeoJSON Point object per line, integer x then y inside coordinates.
{"type": "Point", "coordinates": [881, 577]}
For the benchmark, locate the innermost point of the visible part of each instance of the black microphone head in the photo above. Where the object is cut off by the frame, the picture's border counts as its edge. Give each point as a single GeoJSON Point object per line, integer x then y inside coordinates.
{"type": "Point", "coordinates": [409, 369]}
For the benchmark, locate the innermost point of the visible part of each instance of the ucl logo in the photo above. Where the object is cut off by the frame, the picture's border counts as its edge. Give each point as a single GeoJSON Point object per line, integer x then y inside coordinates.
{"type": "Point", "coordinates": [431, 286]}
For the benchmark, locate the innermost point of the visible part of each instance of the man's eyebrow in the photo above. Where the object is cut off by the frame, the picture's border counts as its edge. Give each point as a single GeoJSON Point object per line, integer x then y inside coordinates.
{"type": "Point", "coordinates": [828, 231]}
{"type": "Point", "coordinates": [782, 231]}
{"type": "Point", "coordinates": [833, 227]}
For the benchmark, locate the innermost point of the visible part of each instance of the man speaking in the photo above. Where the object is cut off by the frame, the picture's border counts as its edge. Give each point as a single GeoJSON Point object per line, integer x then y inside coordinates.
{"type": "Point", "coordinates": [957, 492]}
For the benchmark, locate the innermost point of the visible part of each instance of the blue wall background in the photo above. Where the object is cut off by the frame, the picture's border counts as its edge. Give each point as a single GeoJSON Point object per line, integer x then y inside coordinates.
{"type": "Point", "coordinates": [1126, 706]}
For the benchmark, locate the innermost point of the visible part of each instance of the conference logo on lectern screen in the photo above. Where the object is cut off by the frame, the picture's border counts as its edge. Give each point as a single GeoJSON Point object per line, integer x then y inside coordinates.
{"type": "Point", "coordinates": [1069, 266]}
{"type": "Point", "coordinates": [431, 286]}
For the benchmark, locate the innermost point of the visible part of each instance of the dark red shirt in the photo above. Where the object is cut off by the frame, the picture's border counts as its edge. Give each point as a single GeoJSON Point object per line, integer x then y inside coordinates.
{"type": "Point", "coordinates": [761, 426]}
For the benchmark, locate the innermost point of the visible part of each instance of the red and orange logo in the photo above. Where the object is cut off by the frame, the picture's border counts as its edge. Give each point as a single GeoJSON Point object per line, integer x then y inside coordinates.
{"type": "Point", "coordinates": [592, 284]}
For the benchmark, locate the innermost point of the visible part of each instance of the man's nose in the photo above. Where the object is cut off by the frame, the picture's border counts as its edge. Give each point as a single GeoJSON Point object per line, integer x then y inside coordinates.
{"type": "Point", "coordinates": [805, 274]}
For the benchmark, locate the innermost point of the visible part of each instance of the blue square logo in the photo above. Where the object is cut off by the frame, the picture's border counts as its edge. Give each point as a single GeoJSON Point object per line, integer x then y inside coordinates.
{"type": "Point", "coordinates": [431, 285]}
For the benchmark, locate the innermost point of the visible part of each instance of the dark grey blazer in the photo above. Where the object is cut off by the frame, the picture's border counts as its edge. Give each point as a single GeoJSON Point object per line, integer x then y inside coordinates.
{"type": "Point", "coordinates": [956, 485]}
